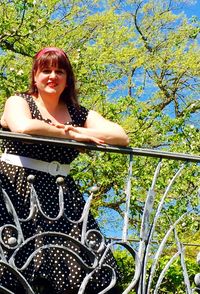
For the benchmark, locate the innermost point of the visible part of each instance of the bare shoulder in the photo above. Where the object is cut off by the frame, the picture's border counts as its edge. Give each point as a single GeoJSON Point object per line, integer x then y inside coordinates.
{"type": "Point", "coordinates": [16, 101]}
{"type": "Point", "coordinates": [93, 115]}
{"type": "Point", "coordinates": [16, 105]}
{"type": "Point", "coordinates": [15, 98]}
{"type": "Point", "coordinates": [96, 120]}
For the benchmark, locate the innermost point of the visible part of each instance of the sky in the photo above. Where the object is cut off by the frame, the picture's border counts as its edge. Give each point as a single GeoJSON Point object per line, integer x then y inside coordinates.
{"type": "Point", "coordinates": [191, 10]}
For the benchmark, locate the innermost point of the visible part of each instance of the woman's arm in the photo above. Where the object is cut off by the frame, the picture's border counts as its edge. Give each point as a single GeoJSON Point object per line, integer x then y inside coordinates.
{"type": "Point", "coordinates": [17, 118]}
{"type": "Point", "coordinates": [103, 129]}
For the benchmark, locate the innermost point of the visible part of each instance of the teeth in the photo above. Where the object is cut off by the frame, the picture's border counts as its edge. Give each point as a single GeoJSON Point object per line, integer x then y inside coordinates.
{"type": "Point", "coordinates": [51, 84]}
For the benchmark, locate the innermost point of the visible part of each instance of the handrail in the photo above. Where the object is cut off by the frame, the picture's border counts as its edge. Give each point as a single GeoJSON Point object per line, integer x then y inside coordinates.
{"type": "Point", "coordinates": [142, 281]}
{"type": "Point", "coordinates": [103, 147]}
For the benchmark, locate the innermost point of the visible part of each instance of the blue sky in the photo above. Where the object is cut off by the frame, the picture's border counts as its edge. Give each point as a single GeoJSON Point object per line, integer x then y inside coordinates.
{"type": "Point", "coordinates": [192, 9]}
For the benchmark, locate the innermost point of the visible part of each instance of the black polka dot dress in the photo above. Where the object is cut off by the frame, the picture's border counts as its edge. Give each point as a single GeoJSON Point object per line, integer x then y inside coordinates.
{"type": "Point", "coordinates": [51, 238]}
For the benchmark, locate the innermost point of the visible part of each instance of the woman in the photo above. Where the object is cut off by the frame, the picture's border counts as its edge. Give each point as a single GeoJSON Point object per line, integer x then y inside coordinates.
{"type": "Point", "coordinates": [50, 108]}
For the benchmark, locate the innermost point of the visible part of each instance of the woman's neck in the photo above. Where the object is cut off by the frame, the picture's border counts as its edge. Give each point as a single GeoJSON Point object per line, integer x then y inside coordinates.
{"type": "Point", "coordinates": [48, 102]}
{"type": "Point", "coordinates": [52, 109]}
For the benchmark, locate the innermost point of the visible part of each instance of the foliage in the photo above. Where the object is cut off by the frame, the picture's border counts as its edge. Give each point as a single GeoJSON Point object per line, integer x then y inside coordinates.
{"type": "Point", "coordinates": [173, 280]}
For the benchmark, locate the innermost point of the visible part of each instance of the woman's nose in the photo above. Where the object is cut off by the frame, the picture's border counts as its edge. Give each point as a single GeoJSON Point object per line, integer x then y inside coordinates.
{"type": "Point", "coordinates": [52, 74]}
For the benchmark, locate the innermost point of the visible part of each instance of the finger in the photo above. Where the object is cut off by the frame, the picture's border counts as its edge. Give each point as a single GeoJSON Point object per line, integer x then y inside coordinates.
{"type": "Point", "coordinates": [98, 141]}
{"type": "Point", "coordinates": [70, 128]}
{"type": "Point", "coordinates": [57, 125]}
{"type": "Point", "coordinates": [60, 126]}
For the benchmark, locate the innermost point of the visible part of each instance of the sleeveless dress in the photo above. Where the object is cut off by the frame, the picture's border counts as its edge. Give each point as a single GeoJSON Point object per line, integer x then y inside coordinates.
{"type": "Point", "coordinates": [61, 268]}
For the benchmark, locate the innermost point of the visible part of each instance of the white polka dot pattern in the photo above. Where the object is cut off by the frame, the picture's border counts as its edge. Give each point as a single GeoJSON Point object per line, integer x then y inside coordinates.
{"type": "Point", "coordinates": [58, 266]}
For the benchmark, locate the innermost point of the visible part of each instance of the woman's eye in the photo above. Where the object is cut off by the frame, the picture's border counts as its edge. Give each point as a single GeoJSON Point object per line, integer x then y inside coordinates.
{"type": "Point", "coordinates": [46, 71]}
{"type": "Point", "coordinates": [49, 71]}
{"type": "Point", "coordinates": [60, 71]}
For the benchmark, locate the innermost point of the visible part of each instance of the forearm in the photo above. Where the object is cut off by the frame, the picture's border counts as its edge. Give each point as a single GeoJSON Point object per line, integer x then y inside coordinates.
{"type": "Point", "coordinates": [113, 135]}
{"type": "Point", "coordinates": [40, 128]}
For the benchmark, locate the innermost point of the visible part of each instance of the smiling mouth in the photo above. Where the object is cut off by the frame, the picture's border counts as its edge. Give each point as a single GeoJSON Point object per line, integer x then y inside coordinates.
{"type": "Point", "coordinates": [51, 85]}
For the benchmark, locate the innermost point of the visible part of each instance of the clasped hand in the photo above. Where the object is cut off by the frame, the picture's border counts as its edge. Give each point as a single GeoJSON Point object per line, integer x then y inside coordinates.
{"type": "Point", "coordinates": [75, 133]}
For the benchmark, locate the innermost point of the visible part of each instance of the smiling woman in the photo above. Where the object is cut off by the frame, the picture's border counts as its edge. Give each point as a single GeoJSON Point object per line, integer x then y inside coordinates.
{"type": "Point", "coordinates": [51, 108]}
{"type": "Point", "coordinates": [51, 80]}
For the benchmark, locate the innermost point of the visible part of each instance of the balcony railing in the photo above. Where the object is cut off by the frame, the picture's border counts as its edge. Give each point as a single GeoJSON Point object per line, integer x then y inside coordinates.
{"type": "Point", "coordinates": [145, 250]}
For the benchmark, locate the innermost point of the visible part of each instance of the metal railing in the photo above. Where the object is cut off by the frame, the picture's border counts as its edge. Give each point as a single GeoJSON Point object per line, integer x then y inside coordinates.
{"type": "Point", "coordinates": [145, 258]}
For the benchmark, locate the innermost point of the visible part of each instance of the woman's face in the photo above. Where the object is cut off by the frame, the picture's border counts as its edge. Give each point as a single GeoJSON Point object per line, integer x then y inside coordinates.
{"type": "Point", "coordinates": [51, 80]}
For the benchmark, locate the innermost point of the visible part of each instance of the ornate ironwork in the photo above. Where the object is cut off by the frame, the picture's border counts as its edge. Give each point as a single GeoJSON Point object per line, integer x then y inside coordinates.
{"type": "Point", "coordinates": [142, 281]}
